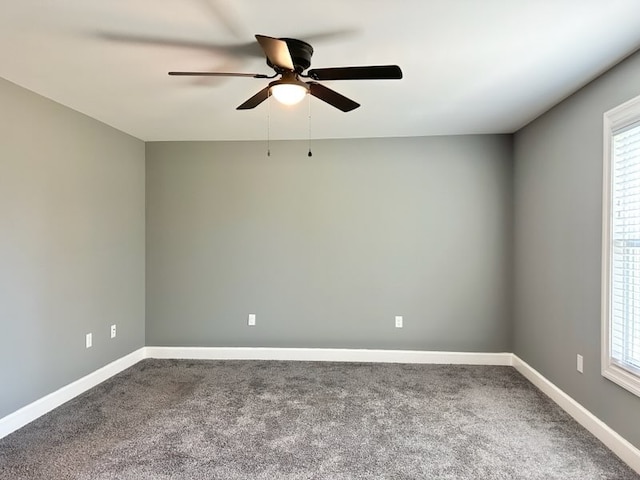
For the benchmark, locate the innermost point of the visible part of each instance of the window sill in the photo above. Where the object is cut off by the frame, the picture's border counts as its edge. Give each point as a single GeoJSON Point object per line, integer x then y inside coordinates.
{"type": "Point", "coordinates": [622, 377]}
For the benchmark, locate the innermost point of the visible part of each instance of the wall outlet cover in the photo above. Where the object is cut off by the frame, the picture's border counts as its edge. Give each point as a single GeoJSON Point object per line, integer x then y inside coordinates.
{"type": "Point", "coordinates": [399, 321]}
{"type": "Point", "coordinates": [113, 331]}
{"type": "Point", "coordinates": [580, 363]}
{"type": "Point", "coordinates": [252, 319]}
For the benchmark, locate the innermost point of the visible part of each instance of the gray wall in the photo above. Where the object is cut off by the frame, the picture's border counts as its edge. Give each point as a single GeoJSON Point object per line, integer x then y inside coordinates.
{"type": "Point", "coordinates": [558, 216]}
{"type": "Point", "coordinates": [326, 250]}
{"type": "Point", "coordinates": [71, 245]}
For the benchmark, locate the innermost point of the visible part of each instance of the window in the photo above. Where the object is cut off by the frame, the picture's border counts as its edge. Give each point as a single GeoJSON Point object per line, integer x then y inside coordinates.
{"type": "Point", "coordinates": [621, 247]}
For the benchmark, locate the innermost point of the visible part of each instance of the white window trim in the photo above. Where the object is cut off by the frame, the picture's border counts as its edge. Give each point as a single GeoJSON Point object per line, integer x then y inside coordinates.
{"type": "Point", "coordinates": [614, 119]}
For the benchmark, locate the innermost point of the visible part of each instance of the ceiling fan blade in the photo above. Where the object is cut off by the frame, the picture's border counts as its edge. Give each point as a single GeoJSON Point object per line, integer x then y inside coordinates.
{"type": "Point", "coordinates": [373, 72]}
{"type": "Point", "coordinates": [218, 74]}
{"type": "Point", "coordinates": [256, 100]}
{"type": "Point", "coordinates": [327, 35]}
{"type": "Point", "coordinates": [332, 97]}
{"type": "Point", "coordinates": [276, 51]}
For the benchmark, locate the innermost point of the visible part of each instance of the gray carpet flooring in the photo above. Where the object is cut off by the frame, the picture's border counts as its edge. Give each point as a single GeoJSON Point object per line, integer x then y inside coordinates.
{"type": "Point", "coordinates": [232, 420]}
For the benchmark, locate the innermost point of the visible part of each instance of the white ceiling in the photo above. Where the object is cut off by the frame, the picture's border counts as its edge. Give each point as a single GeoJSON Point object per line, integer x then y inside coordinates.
{"type": "Point", "coordinates": [470, 66]}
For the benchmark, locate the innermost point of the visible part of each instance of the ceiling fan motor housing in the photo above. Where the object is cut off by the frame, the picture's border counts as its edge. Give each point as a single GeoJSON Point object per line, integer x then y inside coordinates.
{"type": "Point", "coordinates": [301, 53]}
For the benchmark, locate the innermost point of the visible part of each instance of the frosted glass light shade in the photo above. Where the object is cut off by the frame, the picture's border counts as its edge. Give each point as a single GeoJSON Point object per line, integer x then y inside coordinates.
{"type": "Point", "coordinates": [289, 93]}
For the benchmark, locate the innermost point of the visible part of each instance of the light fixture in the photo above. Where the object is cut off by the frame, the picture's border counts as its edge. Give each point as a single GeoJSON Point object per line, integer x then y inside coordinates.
{"type": "Point", "coordinates": [288, 93]}
{"type": "Point", "coordinates": [289, 90]}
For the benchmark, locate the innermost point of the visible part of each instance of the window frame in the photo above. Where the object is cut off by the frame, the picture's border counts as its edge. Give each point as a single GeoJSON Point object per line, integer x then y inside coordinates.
{"type": "Point", "coordinates": [614, 120]}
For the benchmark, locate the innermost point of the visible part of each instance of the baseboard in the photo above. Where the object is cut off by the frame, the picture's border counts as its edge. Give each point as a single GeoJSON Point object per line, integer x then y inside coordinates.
{"type": "Point", "coordinates": [29, 413]}
{"type": "Point", "coordinates": [618, 445]}
{"type": "Point", "coordinates": [329, 355]}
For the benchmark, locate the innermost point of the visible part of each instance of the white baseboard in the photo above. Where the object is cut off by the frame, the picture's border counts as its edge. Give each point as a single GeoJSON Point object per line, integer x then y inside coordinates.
{"type": "Point", "coordinates": [329, 355]}
{"type": "Point", "coordinates": [618, 445]}
{"type": "Point", "coordinates": [29, 413]}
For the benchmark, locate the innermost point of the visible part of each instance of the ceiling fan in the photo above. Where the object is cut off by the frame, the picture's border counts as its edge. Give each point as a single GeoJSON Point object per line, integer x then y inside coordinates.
{"type": "Point", "coordinates": [289, 58]}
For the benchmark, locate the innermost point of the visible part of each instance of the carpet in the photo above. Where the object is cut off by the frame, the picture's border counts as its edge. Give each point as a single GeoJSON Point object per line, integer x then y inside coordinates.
{"type": "Point", "coordinates": [267, 420]}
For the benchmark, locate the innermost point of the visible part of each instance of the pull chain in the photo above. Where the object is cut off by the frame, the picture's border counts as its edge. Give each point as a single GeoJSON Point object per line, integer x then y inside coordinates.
{"type": "Point", "coordinates": [309, 133]}
{"type": "Point", "coordinates": [269, 123]}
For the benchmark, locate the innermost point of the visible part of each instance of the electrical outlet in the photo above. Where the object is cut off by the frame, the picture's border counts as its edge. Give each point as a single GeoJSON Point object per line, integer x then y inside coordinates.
{"type": "Point", "coordinates": [88, 341]}
{"type": "Point", "coordinates": [398, 321]}
{"type": "Point", "coordinates": [579, 363]}
{"type": "Point", "coordinates": [252, 320]}
{"type": "Point", "coordinates": [113, 331]}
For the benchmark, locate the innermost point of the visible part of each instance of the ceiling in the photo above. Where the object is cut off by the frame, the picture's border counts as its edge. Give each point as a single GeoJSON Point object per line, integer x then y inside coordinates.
{"type": "Point", "coordinates": [470, 66]}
